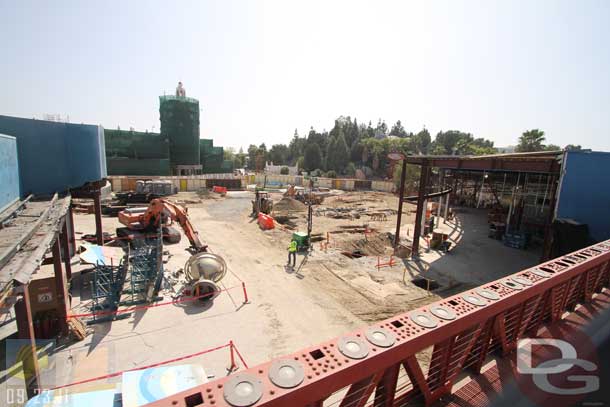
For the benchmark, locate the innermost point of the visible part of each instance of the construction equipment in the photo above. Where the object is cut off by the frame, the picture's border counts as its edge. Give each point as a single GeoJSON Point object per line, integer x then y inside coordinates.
{"type": "Point", "coordinates": [261, 203]}
{"type": "Point", "coordinates": [304, 196]}
{"type": "Point", "coordinates": [161, 212]}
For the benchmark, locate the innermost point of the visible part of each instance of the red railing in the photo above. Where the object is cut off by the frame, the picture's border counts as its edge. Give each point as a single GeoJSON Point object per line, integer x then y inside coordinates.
{"type": "Point", "coordinates": [432, 344]}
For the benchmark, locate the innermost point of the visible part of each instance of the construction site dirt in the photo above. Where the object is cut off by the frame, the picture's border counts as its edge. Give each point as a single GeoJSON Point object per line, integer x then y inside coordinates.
{"type": "Point", "coordinates": [349, 278]}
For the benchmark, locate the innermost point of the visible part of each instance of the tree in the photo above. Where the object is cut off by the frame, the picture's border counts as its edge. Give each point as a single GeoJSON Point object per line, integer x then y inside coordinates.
{"type": "Point", "coordinates": [341, 154]}
{"type": "Point", "coordinates": [284, 171]}
{"type": "Point", "coordinates": [552, 147]}
{"type": "Point", "coordinates": [313, 157]}
{"type": "Point", "coordinates": [573, 147]}
{"type": "Point", "coordinates": [398, 130]}
{"type": "Point", "coordinates": [279, 153]}
{"type": "Point", "coordinates": [531, 140]}
{"type": "Point", "coordinates": [252, 150]}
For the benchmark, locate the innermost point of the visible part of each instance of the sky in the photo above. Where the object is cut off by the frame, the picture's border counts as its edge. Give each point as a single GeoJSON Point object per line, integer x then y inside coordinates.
{"type": "Point", "coordinates": [262, 69]}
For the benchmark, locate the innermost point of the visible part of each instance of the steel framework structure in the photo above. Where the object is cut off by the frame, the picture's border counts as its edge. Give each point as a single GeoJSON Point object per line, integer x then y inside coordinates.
{"type": "Point", "coordinates": [416, 356]}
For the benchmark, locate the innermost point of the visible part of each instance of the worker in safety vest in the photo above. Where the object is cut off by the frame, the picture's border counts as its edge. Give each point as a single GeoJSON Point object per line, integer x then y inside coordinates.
{"type": "Point", "coordinates": [292, 252]}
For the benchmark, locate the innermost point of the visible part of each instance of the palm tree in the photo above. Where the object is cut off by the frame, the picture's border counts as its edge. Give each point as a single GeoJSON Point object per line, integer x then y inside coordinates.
{"type": "Point", "coordinates": [531, 140]}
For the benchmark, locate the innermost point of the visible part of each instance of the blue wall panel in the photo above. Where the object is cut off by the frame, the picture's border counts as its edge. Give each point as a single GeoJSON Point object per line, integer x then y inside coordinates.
{"type": "Point", "coordinates": [585, 191]}
{"type": "Point", "coordinates": [9, 171]}
{"type": "Point", "coordinates": [54, 157]}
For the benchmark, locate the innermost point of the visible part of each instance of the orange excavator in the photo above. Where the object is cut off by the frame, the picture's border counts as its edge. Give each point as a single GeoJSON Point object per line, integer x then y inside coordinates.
{"type": "Point", "coordinates": [161, 212]}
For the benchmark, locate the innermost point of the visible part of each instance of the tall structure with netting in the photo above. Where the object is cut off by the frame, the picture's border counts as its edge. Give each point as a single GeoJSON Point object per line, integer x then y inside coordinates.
{"type": "Point", "coordinates": [179, 116]}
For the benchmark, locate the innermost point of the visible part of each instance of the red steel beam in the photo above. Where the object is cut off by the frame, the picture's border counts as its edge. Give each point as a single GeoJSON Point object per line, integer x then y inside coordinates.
{"type": "Point", "coordinates": [328, 371]}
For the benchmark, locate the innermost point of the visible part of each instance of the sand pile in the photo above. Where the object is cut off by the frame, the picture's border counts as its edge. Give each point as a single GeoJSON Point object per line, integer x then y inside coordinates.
{"type": "Point", "coordinates": [288, 204]}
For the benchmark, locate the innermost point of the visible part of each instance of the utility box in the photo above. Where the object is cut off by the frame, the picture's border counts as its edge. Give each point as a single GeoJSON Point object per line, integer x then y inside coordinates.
{"type": "Point", "coordinates": [302, 240]}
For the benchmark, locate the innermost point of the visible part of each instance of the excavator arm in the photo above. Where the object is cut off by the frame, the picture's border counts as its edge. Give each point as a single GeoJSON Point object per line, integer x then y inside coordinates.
{"type": "Point", "coordinates": [158, 211]}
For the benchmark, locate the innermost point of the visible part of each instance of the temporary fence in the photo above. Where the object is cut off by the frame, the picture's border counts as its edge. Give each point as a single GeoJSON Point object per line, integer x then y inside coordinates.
{"type": "Point", "coordinates": [196, 182]}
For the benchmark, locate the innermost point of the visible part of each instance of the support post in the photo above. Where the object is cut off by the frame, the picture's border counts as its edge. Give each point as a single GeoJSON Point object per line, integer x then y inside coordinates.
{"type": "Point", "coordinates": [446, 208]}
{"type": "Point", "coordinates": [423, 179]}
{"type": "Point", "coordinates": [547, 245]}
{"type": "Point", "coordinates": [66, 250]}
{"type": "Point", "coordinates": [400, 199]}
{"type": "Point", "coordinates": [97, 203]}
{"type": "Point", "coordinates": [60, 287]}
{"type": "Point", "coordinates": [30, 361]}
{"type": "Point", "coordinates": [72, 230]}
{"type": "Point", "coordinates": [440, 198]}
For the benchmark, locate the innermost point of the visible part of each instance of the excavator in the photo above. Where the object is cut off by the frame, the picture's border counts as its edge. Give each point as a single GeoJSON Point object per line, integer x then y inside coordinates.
{"type": "Point", "coordinates": [158, 212]}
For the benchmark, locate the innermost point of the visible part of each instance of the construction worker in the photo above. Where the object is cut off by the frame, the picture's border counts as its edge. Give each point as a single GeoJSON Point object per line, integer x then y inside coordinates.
{"type": "Point", "coordinates": [292, 252]}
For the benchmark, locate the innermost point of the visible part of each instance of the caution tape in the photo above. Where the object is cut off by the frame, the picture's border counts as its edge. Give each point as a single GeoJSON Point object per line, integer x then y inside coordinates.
{"type": "Point", "coordinates": [108, 376]}
{"type": "Point", "coordinates": [140, 307]}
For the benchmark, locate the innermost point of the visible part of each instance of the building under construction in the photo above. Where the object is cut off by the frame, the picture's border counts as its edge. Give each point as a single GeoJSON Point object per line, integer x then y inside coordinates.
{"type": "Point", "coordinates": [176, 150]}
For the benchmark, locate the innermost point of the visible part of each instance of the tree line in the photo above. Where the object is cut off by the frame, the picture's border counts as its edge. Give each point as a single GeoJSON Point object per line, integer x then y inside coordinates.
{"type": "Point", "coordinates": [351, 146]}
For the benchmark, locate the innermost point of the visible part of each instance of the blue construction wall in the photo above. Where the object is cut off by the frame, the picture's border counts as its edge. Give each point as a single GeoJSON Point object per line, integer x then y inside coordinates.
{"type": "Point", "coordinates": [54, 157]}
{"type": "Point", "coordinates": [9, 171]}
{"type": "Point", "coordinates": [585, 191]}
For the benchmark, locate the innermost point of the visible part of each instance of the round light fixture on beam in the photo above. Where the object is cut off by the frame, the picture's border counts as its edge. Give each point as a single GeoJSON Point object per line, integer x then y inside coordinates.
{"type": "Point", "coordinates": [286, 373]}
{"type": "Point", "coordinates": [380, 337]}
{"type": "Point", "coordinates": [353, 347]}
{"type": "Point", "coordinates": [243, 390]}
{"type": "Point", "coordinates": [424, 320]}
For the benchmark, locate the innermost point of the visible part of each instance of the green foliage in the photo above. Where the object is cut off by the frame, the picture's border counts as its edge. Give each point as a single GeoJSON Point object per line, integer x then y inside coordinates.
{"type": "Point", "coordinates": [313, 157]}
{"type": "Point", "coordinates": [412, 177]}
{"type": "Point", "coordinates": [284, 171]}
{"type": "Point", "coordinates": [350, 169]}
{"type": "Point", "coordinates": [573, 147]}
{"type": "Point", "coordinates": [454, 142]}
{"type": "Point", "coordinates": [552, 147]}
{"type": "Point", "coordinates": [531, 140]}
{"type": "Point", "coordinates": [279, 154]}
{"type": "Point", "coordinates": [300, 162]}
{"type": "Point", "coordinates": [331, 174]}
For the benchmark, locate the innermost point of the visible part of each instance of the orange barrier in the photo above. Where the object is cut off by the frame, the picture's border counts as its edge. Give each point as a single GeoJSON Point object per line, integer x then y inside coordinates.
{"type": "Point", "coordinates": [265, 221]}
{"type": "Point", "coordinates": [220, 190]}
{"type": "Point", "coordinates": [391, 263]}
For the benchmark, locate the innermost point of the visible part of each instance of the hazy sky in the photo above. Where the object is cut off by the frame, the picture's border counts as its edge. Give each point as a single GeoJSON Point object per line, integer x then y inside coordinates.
{"type": "Point", "coordinates": [261, 69]}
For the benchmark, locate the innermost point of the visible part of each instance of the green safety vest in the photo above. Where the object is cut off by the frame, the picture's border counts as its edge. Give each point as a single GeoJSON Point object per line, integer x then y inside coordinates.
{"type": "Point", "coordinates": [293, 247]}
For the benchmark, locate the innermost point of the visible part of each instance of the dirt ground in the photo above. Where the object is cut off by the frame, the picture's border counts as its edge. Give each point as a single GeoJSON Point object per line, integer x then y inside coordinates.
{"type": "Point", "coordinates": [326, 295]}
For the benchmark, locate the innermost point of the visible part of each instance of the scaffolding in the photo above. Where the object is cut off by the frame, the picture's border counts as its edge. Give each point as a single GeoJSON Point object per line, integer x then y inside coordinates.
{"type": "Point", "coordinates": [106, 289]}
{"type": "Point", "coordinates": [145, 271]}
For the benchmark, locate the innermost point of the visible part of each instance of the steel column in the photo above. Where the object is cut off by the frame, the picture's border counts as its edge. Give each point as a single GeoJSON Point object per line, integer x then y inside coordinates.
{"type": "Point", "coordinates": [423, 180]}
{"type": "Point", "coordinates": [31, 358]}
{"type": "Point", "coordinates": [60, 287]}
{"type": "Point", "coordinates": [66, 251]}
{"type": "Point", "coordinates": [400, 200]}
{"type": "Point", "coordinates": [97, 203]}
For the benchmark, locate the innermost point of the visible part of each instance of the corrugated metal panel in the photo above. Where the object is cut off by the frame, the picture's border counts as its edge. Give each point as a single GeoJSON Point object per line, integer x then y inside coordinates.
{"type": "Point", "coordinates": [583, 194]}
{"type": "Point", "coordinates": [56, 156]}
{"type": "Point", "coordinates": [9, 171]}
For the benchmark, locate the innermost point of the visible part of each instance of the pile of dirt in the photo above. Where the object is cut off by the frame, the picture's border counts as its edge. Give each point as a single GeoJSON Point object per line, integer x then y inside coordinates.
{"type": "Point", "coordinates": [376, 244]}
{"type": "Point", "coordinates": [287, 204]}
